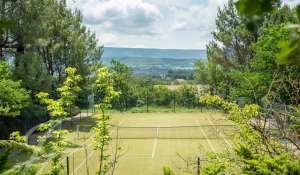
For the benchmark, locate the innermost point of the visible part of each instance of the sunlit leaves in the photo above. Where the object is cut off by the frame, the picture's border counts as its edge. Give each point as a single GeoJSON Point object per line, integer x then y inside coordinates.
{"type": "Point", "coordinates": [104, 95]}
{"type": "Point", "coordinates": [13, 98]}
{"type": "Point", "coordinates": [104, 88]}
{"type": "Point", "coordinates": [68, 94]}
{"type": "Point", "coordinates": [255, 10]}
{"type": "Point", "coordinates": [17, 137]}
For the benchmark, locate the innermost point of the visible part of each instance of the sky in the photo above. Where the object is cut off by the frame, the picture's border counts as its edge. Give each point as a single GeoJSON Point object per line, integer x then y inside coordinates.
{"type": "Point", "coordinates": [167, 24]}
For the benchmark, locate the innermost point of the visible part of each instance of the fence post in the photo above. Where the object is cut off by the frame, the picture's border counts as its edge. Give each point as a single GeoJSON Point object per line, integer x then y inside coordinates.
{"type": "Point", "coordinates": [147, 102]}
{"type": "Point", "coordinates": [174, 102]}
{"type": "Point", "coordinates": [86, 158]}
{"type": "Point", "coordinates": [73, 164]}
{"type": "Point", "coordinates": [201, 107]}
{"type": "Point", "coordinates": [198, 166]}
{"type": "Point", "coordinates": [68, 167]}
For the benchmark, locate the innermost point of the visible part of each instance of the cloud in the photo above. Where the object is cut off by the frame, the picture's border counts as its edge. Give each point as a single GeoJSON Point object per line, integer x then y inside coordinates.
{"type": "Point", "coordinates": [150, 23]}
{"type": "Point", "coordinates": [292, 3]}
{"type": "Point", "coordinates": [134, 17]}
{"type": "Point", "coordinates": [197, 17]}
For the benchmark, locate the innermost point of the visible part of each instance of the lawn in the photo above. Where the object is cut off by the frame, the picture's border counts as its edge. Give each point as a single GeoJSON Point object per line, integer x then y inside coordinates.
{"type": "Point", "coordinates": [150, 141]}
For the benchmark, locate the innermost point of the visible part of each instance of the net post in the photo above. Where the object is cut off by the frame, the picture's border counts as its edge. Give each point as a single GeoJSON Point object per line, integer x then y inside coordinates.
{"type": "Point", "coordinates": [86, 158]}
{"type": "Point", "coordinates": [73, 164]}
{"type": "Point", "coordinates": [117, 136]}
{"type": "Point", "coordinates": [147, 100]}
{"type": "Point", "coordinates": [174, 102]}
{"type": "Point", "coordinates": [77, 131]}
{"type": "Point", "coordinates": [68, 167]}
{"type": "Point", "coordinates": [157, 133]}
{"type": "Point", "coordinates": [198, 166]}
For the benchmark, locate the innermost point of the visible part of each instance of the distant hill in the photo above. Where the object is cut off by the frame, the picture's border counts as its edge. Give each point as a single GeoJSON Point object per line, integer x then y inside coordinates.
{"type": "Point", "coordinates": [110, 52]}
{"type": "Point", "coordinates": [154, 61]}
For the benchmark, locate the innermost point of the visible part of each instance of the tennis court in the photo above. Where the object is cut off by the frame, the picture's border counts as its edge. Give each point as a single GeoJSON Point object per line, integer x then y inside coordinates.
{"type": "Point", "coordinates": [150, 141]}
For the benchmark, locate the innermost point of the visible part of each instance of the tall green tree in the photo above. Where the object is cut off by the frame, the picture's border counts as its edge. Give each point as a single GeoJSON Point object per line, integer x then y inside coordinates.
{"type": "Point", "coordinates": [122, 77]}
{"type": "Point", "coordinates": [13, 98]}
{"type": "Point", "coordinates": [104, 94]}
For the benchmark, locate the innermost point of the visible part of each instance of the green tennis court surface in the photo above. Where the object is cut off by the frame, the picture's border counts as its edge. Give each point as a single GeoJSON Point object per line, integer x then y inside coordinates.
{"type": "Point", "coordinates": [150, 141]}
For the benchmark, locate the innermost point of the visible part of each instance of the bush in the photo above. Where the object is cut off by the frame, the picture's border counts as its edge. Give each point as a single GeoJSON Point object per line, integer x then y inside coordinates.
{"type": "Point", "coordinates": [187, 96]}
{"type": "Point", "coordinates": [162, 96]}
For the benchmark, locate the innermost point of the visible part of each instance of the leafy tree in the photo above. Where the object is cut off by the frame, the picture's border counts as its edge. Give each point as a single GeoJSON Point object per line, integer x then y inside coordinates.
{"type": "Point", "coordinates": [13, 97]}
{"type": "Point", "coordinates": [54, 143]}
{"type": "Point", "coordinates": [201, 72]}
{"type": "Point", "coordinates": [104, 95]}
{"type": "Point", "coordinates": [68, 93]}
{"type": "Point", "coordinates": [122, 77]}
{"type": "Point", "coordinates": [186, 95]}
{"type": "Point", "coordinates": [162, 96]}
{"type": "Point", "coordinates": [256, 11]}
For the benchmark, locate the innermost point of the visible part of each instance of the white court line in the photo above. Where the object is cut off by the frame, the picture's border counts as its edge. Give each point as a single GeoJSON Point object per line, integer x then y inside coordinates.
{"type": "Point", "coordinates": [221, 134]}
{"type": "Point", "coordinates": [154, 148]}
{"type": "Point", "coordinates": [206, 138]}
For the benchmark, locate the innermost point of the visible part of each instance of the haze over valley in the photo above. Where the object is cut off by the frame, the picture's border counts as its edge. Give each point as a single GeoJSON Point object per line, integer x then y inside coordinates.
{"type": "Point", "coordinates": [154, 61]}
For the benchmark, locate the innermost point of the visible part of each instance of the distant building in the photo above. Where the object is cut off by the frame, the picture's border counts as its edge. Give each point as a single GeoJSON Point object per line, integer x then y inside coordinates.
{"type": "Point", "coordinates": [180, 81]}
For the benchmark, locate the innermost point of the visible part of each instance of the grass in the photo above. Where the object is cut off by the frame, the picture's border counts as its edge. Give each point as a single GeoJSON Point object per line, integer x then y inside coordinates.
{"type": "Point", "coordinates": [147, 156]}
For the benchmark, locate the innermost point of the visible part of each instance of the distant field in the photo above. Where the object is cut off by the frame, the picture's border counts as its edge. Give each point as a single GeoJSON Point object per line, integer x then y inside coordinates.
{"type": "Point", "coordinates": [150, 141]}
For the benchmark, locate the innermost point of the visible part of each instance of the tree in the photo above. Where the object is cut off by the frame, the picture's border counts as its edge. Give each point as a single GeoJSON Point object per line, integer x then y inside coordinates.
{"type": "Point", "coordinates": [13, 97]}
{"type": "Point", "coordinates": [54, 143]}
{"type": "Point", "coordinates": [68, 92]}
{"type": "Point", "coordinates": [259, 152]}
{"type": "Point", "coordinates": [43, 38]}
{"type": "Point", "coordinates": [201, 72]}
{"type": "Point", "coordinates": [257, 11]}
{"type": "Point", "coordinates": [104, 94]}
{"type": "Point", "coordinates": [122, 77]}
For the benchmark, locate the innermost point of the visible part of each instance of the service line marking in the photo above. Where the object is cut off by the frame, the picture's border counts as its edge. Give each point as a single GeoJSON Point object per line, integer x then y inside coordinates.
{"type": "Point", "coordinates": [206, 138]}
{"type": "Point", "coordinates": [221, 134]}
{"type": "Point", "coordinates": [154, 148]}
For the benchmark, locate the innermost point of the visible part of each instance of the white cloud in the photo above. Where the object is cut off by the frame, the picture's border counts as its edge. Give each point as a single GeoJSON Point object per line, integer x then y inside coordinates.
{"type": "Point", "coordinates": [291, 2]}
{"type": "Point", "coordinates": [134, 17]}
{"type": "Point", "coordinates": [197, 17]}
{"type": "Point", "coordinates": [150, 23]}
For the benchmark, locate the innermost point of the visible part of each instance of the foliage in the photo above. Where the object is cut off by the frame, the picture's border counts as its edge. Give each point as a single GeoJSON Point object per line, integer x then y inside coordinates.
{"type": "Point", "coordinates": [168, 171]}
{"type": "Point", "coordinates": [18, 151]}
{"type": "Point", "coordinates": [105, 93]}
{"type": "Point", "coordinates": [162, 96]}
{"type": "Point", "coordinates": [54, 142]}
{"type": "Point", "coordinates": [259, 153]}
{"type": "Point", "coordinates": [266, 165]}
{"type": "Point", "coordinates": [68, 94]}
{"type": "Point", "coordinates": [122, 78]}
{"type": "Point", "coordinates": [186, 96]}
{"type": "Point", "coordinates": [214, 169]}
{"type": "Point", "coordinates": [201, 72]}
{"type": "Point", "coordinates": [258, 10]}
{"type": "Point", "coordinates": [13, 98]}
{"type": "Point", "coordinates": [17, 137]}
